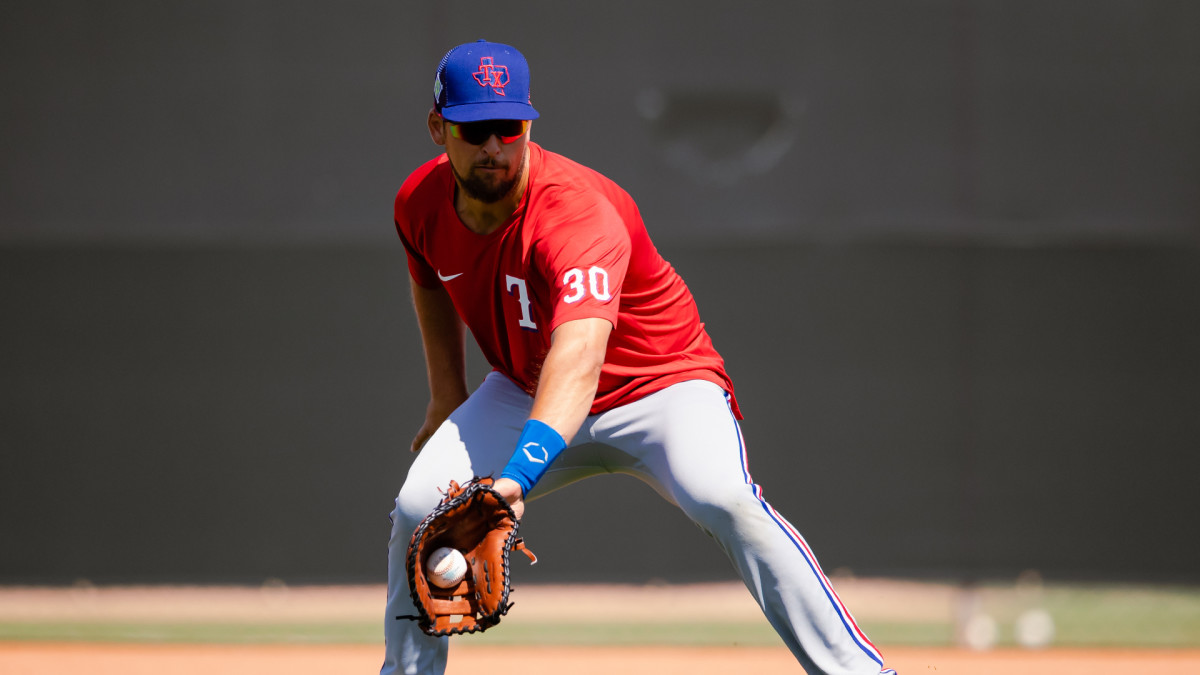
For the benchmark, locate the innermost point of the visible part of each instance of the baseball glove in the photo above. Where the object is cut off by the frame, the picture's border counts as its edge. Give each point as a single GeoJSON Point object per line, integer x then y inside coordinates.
{"type": "Point", "coordinates": [477, 521]}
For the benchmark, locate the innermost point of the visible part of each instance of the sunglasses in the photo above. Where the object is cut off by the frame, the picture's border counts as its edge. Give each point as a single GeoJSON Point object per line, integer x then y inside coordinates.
{"type": "Point", "coordinates": [478, 133]}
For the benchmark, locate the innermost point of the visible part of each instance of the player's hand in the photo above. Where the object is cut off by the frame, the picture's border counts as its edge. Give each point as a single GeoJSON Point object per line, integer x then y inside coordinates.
{"type": "Point", "coordinates": [435, 414]}
{"type": "Point", "coordinates": [511, 491]}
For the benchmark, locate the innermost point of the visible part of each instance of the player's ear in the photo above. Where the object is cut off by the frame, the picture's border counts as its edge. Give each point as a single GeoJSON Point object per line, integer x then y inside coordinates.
{"type": "Point", "coordinates": [437, 127]}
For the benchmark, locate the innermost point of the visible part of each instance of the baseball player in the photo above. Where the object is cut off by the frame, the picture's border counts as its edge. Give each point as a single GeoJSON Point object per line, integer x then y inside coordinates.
{"type": "Point", "coordinates": [600, 361]}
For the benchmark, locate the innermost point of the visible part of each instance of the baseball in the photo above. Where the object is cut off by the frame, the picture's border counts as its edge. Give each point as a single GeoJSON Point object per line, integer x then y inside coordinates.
{"type": "Point", "coordinates": [980, 632]}
{"type": "Point", "coordinates": [446, 567]}
{"type": "Point", "coordinates": [1035, 629]}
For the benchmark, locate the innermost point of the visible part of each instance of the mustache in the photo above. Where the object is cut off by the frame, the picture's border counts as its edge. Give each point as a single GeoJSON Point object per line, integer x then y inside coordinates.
{"type": "Point", "coordinates": [491, 163]}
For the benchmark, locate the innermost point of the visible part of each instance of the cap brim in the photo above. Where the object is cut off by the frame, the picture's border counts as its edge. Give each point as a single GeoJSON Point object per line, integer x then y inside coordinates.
{"type": "Point", "coordinates": [491, 110]}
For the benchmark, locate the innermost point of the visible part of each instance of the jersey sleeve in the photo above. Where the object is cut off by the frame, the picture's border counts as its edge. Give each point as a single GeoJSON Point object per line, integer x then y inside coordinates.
{"type": "Point", "coordinates": [583, 257]}
{"type": "Point", "coordinates": [420, 269]}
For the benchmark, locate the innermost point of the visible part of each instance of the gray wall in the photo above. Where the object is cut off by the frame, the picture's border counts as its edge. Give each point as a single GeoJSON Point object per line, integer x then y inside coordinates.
{"type": "Point", "coordinates": [182, 414]}
{"type": "Point", "coordinates": [950, 250]}
{"type": "Point", "coordinates": [280, 121]}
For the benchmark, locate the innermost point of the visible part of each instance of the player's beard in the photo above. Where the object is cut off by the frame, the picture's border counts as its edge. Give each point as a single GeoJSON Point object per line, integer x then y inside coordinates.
{"type": "Point", "coordinates": [490, 191]}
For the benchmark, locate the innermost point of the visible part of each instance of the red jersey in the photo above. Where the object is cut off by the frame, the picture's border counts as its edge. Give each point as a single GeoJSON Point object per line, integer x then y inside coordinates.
{"type": "Point", "coordinates": [575, 248]}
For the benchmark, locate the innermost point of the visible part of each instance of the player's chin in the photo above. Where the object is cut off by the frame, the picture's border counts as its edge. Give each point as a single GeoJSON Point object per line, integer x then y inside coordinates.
{"type": "Point", "coordinates": [493, 178]}
{"type": "Point", "coordinates": [488, 189]}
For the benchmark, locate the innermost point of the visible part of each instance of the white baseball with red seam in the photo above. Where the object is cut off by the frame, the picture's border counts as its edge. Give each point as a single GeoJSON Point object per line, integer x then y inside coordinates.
{"type": "Point", "coordinates": [446, 567]}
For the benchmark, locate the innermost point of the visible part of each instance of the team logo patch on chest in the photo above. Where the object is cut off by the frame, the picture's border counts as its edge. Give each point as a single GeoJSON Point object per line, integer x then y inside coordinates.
{"type": "Point", "coordinates": [516, 287]}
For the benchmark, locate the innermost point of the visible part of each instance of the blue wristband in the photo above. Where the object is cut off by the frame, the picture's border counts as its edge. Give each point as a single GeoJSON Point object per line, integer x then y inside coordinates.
{"type": "Point", "coordinates": [537, 448]}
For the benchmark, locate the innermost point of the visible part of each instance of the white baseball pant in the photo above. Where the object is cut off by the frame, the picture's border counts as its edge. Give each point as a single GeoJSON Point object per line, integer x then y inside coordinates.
{"type": "Point", "coordinates": [685, 443]}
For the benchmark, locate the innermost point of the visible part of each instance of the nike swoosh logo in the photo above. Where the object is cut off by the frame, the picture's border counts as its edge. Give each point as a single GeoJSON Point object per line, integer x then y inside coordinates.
{"type": "Point", "coordinates": [448, 278]}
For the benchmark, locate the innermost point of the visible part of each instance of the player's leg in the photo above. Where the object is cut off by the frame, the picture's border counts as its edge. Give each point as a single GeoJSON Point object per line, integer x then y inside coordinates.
{"type": "Point", "coordinates": [685, 443]}
{"type": "Point", "coordinates": [476, 440]}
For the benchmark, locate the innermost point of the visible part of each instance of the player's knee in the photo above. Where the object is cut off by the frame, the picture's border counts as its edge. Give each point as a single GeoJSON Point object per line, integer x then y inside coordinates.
{"type": "Point", "coordinates": [414, 502]}
{"type": "Point", "coordinates": [722, 509]}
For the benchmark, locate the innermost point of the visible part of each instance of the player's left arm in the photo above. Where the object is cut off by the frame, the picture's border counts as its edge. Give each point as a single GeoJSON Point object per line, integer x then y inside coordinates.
{"type": "Point", "coordinates": [566, 389]}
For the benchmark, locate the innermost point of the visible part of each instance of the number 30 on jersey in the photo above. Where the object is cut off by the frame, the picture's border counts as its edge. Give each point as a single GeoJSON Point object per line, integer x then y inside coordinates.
{"type": "Point", "coordinates": [596, 284]}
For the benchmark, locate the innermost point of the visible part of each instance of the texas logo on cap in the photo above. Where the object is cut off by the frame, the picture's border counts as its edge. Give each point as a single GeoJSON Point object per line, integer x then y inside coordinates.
{"type": "Point", "coordinates": [491, 75]}
{"type": "Point", "coordinates": [483, 81]}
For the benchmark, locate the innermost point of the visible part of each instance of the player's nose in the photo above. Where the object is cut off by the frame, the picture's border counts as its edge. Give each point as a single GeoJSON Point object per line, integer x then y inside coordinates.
{"type": "Point", "coordinates": [492, 145]}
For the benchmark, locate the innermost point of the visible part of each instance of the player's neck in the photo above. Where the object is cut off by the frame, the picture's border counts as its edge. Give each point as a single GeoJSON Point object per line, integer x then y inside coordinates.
{"type": "Point", "coordinates": [485, 217]}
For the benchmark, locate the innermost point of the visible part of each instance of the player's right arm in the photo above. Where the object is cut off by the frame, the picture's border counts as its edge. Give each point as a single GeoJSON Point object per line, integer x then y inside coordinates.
{"type": "Point", "coordinates": [443, 337]}
{"type": "Point", "coordinates": [442, 331]}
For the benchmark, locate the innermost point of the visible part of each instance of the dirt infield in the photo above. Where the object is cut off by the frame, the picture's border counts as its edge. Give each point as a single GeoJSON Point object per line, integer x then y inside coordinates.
{"type": "Point", "coordinates": [102, 659]}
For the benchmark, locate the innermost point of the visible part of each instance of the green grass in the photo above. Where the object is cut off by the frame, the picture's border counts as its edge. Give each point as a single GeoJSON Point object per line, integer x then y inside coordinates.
{"type": "Point", "coordinates": [1124, 616]}
{"type": "Point", "coordinates": [1110, 616]}
{"type": "Point", "coordinates": [627, 634]}
{"type": "Point", "coordinates": [757, 634]}
{"type": "Point", "coordinates": [193, 632]}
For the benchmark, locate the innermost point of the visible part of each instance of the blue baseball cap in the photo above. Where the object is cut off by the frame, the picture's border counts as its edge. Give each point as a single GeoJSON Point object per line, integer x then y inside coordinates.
{"type": "Point", "coordinates": [483, 81]}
